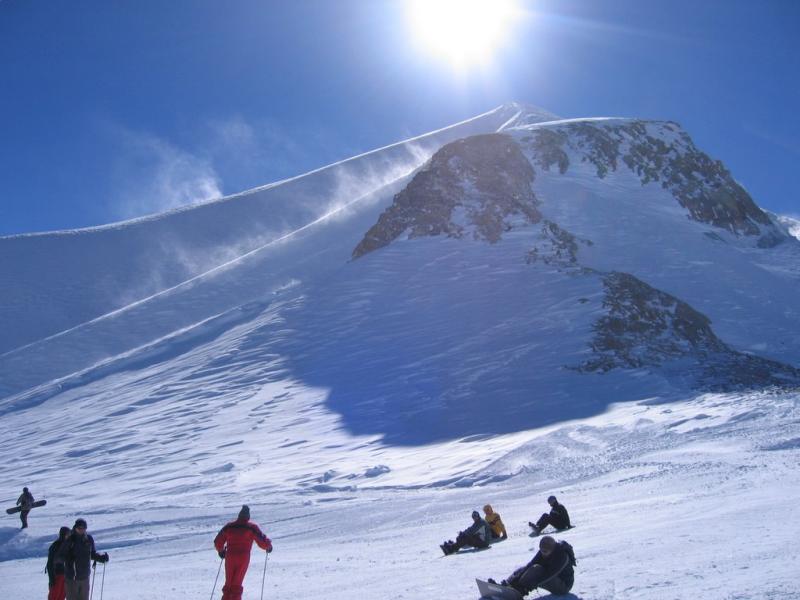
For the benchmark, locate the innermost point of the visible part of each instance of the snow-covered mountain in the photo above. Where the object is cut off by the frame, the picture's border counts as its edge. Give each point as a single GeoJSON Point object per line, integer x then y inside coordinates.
{"type": "Point", "coordinates": [509, 306]}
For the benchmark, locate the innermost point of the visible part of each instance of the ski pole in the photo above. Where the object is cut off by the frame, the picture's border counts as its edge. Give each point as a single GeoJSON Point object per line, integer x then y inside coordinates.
{"type": "Point", "coordinates": [264, 577]}
{"type": "Point", "coordinates": [215, 579]}
{"type": "Point", "coordinates": [94, 572]}
{"type": "Point", "coordinates": [102, 581]}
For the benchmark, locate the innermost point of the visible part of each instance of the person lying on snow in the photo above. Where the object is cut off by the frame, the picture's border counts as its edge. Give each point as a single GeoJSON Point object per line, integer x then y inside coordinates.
{"type": "Point", "coordinates": [558, 517]}
{"type": "Point", "coordinates": [477, 535]}
{"type": "Point", "coordinates": [551, 569]}
{"type": "Point", "coordinates": [498, 530]}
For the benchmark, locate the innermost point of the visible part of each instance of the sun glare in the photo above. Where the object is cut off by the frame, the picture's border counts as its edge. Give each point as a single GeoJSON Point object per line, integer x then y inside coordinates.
{"type": "Point", "coordinates": [465, 32]}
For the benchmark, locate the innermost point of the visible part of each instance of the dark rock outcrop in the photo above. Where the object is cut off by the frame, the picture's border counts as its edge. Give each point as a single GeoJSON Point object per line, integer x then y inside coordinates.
{"type": "Point", "coordinates": [700, 184]}
{"type": "Point", "coordinates": [646, 327]}
{"type": "Point", "coordinates": [475, 186]}
{"type": "Point", "coordinates": [555, 246]}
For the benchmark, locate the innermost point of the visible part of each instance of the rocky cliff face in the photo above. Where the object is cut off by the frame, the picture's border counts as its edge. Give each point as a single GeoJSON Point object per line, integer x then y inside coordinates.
{"type": "Point", "coordinates": [476, 187]}
{"type": "Point", "coordinates": [480, 187]}
{"type": "Point", "coordinates": [658, 152]}
{"type": "Point", "coordinates": [646, 327]}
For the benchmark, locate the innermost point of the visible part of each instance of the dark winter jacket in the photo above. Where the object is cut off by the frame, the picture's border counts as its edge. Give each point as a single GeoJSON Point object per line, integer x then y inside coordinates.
{"type": "Point", "coordinates": [77, 552]}
{"type": "Point", "coordinates": [55, 564]}
{"type": "Point", "coordinates": [25, 500]}
{"type": "Point", "coordinates": [559, 517]}
{"type": "Point", "coordinates": [481, 529]}
{"type": "Point", "coordinates": [237, 538]}
{"type": "Point", "coordinates": [556, 564]}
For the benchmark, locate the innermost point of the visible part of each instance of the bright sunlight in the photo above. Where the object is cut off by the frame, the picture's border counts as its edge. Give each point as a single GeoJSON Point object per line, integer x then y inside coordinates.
{"type": "Point", "coordinates": [465, 32]}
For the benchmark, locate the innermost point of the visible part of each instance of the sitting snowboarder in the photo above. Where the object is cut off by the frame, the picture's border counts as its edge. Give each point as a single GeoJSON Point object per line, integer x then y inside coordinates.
{"type": "Point", "coordinates": [498, 529]}
{"type": "Point", "coordinates": [477, 535]}
{"type": "Point", "coordinates": [558, 517]}
{"type": "Point", "coordinates": [551, 569]}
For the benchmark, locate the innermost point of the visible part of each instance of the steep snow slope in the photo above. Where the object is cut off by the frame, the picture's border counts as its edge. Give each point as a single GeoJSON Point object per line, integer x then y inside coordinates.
{"type": "Point", "coordinates": [364, 402]}
{"type": "Point", "coordinates": [86, 295]}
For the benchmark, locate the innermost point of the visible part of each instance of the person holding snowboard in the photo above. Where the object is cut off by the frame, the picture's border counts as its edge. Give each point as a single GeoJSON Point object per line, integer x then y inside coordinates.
{"type": "Point", "coordinates": [77, 552]}
{"type": "Point", "coordinates": [558, 517]}
{"type": "Point", "coordinates": [55, 568]}
{"type": "Point", "coordinates": [233, 543]}
{"type": "Point", "coordinates": [25, 502]}
{"type": "Point", "coordinates": [550, 569]}
{"type": "Point", "coordinates": [477, 535]}
{"type": "Point", "coordinates": [498, 529]}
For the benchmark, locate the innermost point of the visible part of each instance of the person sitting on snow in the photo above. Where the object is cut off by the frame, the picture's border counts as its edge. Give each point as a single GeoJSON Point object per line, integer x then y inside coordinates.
{"type": "Point", "coordinates": [551, 569]}
{"type": "Point", "coordinates": [498, 529]}
{"type": "Point", "coordinates": [558, 517]}
{"type": "Point", "coordinates": [477, 535]}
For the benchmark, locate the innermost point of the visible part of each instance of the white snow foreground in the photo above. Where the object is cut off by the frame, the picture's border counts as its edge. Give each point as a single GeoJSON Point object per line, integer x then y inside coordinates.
{"type": "Point", "coordinates": [159, 373]}
{"type": "Point", "coordinates": [695, 499]}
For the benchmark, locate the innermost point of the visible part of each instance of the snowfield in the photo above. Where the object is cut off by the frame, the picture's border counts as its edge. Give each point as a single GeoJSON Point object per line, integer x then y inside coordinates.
{"type": "Point", "coordinates": [157, 374]}
{"type": "Point", "coordinates": [693, 499]}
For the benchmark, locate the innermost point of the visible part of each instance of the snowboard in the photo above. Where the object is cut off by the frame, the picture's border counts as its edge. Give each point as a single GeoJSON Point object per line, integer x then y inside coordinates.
{"type": "Point", "coordinates": [17, 509]}
{"type": "Point", "coordinates": [494, 591]}
{"type": "Point", "coordinates": [534, 534]}
{"type": "Point", "coordinates": [464, 550]}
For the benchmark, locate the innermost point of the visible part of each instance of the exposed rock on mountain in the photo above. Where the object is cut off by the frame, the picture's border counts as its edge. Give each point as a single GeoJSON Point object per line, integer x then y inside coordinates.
{"type": "Point", "coordinates": [555, 246]}
{"type": "Point", "coordinates": [646, 327]}
{"type": "Point", "coordinates": [477, 186]}
{"type": "Point", "coordinates": [657, 152]}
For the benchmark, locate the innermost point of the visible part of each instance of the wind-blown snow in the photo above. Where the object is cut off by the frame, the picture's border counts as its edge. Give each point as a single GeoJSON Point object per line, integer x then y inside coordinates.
{"type": "Point", "coordinates": [363, 408]}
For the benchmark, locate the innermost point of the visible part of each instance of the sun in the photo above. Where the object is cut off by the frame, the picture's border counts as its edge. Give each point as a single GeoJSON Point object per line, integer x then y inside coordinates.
{"type": "Point", "coordinates": [464, 32]}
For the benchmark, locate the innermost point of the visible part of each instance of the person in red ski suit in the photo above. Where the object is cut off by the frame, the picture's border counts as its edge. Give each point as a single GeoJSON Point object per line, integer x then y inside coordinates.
{"type": "Point", "coordinates": [233, 543]}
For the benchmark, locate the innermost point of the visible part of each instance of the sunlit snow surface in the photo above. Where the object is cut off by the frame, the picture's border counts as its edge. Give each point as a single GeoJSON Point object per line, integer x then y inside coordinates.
{"type": "Point", "coordinates": [363, 408]}
{"type": "Point", "coordinates": [695, 499]}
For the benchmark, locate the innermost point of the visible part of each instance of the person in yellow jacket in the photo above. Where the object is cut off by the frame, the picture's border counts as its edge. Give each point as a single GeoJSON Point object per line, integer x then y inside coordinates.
{"type": "Point", "coordinates": [495, 522]}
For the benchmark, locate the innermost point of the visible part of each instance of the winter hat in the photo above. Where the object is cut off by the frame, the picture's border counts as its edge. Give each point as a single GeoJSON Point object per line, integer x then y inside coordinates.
{"type": "Point", "coordinates": [552, 499]}
{"type": "Point", "coordinates": [475, 513]}
{"type": "Point", "coordinates": [547, 542]}
{"type": "Point", "coordinates": [244, 514]}
{"type": "Point", "coordinates": [63, 532]}
{"type": "Point", "coordinates": [79, 523]}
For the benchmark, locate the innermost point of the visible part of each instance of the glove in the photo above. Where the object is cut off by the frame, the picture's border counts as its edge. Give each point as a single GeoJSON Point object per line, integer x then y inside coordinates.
{"type": "Point", "coordinates": [221, 553]}
{"type": "Point", "coordinates": [103, 558]}
{"type": "Point", "coordinates": [269, 549]}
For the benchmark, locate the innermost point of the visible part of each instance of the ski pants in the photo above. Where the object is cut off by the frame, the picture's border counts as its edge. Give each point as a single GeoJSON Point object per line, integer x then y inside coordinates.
{"type": "Point", "coordinates": [235, 570]}
{"type": "Point", "coordinates": [78, 589]}
{"type": "Point", "coordinates": [58, 591]}
{"type": "Point", "coordinates": [467, 539]}
{"type": "Point", "coordinates": [548, 519]}
{"type": "Point", "coordinates": [536, 577]}
{"type": "Point", "coordinates": [23, 516]}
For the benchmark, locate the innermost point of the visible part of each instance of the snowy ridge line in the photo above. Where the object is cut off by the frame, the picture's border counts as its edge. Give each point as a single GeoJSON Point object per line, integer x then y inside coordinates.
{"type": "Point", "coordinates": [211, 271]}
{"type": "Point", "coordinates": [154, 216]}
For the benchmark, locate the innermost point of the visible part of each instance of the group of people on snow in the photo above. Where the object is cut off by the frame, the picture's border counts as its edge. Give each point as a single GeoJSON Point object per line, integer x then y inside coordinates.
{"type": "Point", "coordinates": [550, 569]}
{"type": "Point", "coordinates": [70, 556]}
{"type": "Point", "coordinates": [480, 534]}
{"type": "Point", "coordinates": [69, 561]}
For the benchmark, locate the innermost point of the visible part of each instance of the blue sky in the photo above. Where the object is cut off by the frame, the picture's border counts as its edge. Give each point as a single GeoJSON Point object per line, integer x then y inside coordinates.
{"type": "Point", "coordinates": [110, 110]}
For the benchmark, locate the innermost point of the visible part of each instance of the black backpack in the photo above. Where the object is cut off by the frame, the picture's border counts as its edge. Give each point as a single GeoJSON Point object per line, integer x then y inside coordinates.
{"type": "Point", "coordinates": [570, 552]}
